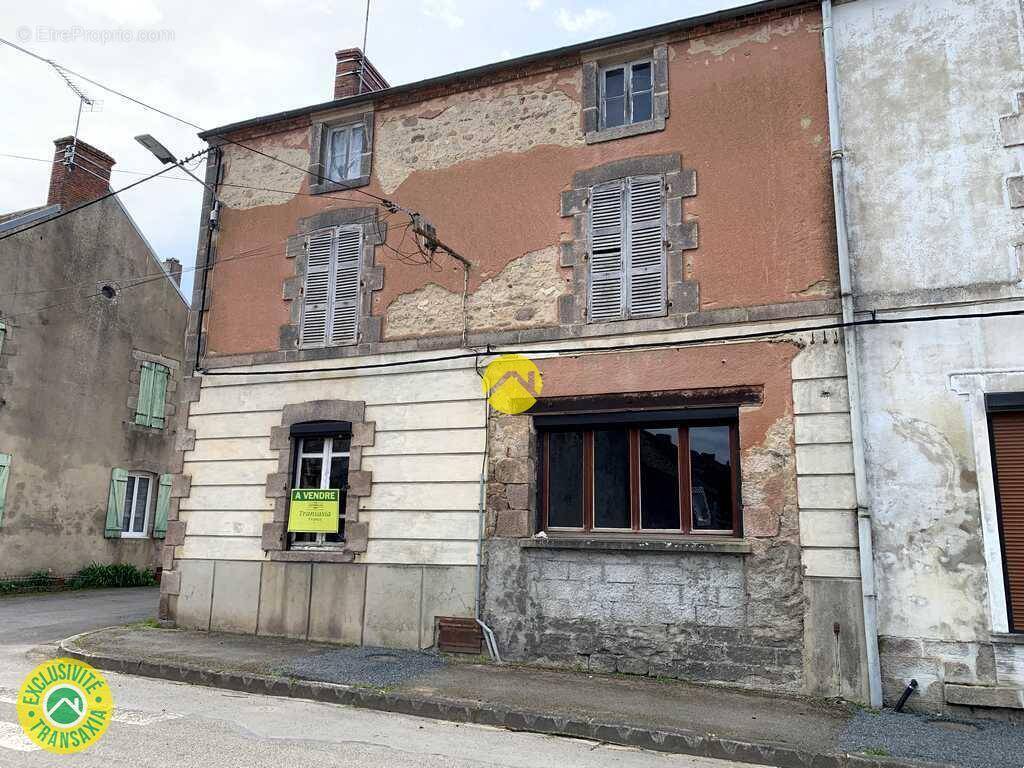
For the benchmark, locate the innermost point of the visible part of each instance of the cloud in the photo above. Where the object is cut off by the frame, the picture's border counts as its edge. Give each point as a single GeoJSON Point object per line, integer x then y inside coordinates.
{"type": "Point", "coordinates": [583, 21]}
{"type": "Point", "coordinates": [534, 5]}
{"type": "Point", "coordinates": [142, 13]}
{"type": "Point", "coordinates": [445, 10]}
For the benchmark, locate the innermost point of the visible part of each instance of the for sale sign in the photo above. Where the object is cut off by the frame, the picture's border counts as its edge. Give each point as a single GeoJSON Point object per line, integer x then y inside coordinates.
{"type": "Point", "coordinates": [314, 510]}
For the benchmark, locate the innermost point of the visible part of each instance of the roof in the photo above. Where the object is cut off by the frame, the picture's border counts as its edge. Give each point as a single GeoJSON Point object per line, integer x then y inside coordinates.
{"type": "Point", "coordinates": [671, 27]}
{"type": "Point", "coordinates": [16, 219]}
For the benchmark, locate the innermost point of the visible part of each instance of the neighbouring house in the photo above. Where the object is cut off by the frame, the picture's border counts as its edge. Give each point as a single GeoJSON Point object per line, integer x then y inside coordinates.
{"type": "Point", "coordinates": [92, 336]}
{"type": "Point", "coordinates": [931, 95]}
{"type": "Point", "coordinates": [679, 501]}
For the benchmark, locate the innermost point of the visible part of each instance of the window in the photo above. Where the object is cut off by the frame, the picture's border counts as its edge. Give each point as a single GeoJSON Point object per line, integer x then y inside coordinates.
{"type": "Point", "coordinates": [643, 477]}
{"type": "Point", "coordinates": [136, 504]}
{"type": "Point", "coordinates": [344, 152]}
{"type": "Point", "coordinates": [1006, 430]}
{"type": "Point", "coordinates": [149, 411]}
{"type": "Point", "coordinates": [322, 462]}
{"type": "Point", "coordinates": [330, 302]}
{"type": "Point", "coordinates": [627, 249]}
{"type": "Point", "coordinates": [5, 469]}
{"type": "Point", "coordinates": [627, 94]}
{"type": "Point", "coordinates": [3, 335]}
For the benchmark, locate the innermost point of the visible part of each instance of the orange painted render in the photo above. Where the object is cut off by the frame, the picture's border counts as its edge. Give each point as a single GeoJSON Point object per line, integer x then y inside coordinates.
{"type": "Point", "coordinates": [749, 113]}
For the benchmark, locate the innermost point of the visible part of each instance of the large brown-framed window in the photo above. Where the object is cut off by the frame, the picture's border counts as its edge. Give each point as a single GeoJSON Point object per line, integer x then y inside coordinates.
{"type": "Point", "coordinates": [1006, 433]}
{"type": "Point", "coordinates": [653, 478]}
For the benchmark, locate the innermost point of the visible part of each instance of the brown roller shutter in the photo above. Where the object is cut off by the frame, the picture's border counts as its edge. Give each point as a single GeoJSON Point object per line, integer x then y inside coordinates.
{"type": "Point", "coordinates": [1008, 456]}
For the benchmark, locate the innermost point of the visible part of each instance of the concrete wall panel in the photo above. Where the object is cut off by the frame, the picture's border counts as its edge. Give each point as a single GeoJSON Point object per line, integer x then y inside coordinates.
{"type": "Point", "coordinates": [284, 599]}
{"type": "Point", "coordinates": [195, 594]}
{"type": "Point", "coordinates": [236, 596]}
{"type": "Point", "coordinates": [393, 599]}
{"type": "Point", "coordinates": [336, 603]}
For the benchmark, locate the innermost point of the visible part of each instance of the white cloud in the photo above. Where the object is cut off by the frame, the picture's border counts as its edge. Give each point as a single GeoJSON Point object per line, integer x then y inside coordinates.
{"type": "Point", "coordinates": [534, 5]}
{"type": "Point", "coordinates": [445, 10]}
{"type": "Point", "coordinates": [583, 21]}
{"type": "Point", "coordinates": [142, 13]}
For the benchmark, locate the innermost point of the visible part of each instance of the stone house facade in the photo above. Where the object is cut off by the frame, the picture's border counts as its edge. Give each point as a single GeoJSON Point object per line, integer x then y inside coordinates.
{"type": "Point", "coordinates": [649, 219]}
{"type": "Point", "coordinates": [92, 350]}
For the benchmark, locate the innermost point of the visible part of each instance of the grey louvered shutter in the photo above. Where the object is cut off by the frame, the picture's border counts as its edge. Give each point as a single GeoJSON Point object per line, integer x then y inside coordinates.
{"type": "Point", "coordinates": [607, 276]}
{"type": "Point", "coordinates": [345, 305]}
{"type": "Point", "coordinates": [645, 240]}
{"type": "Point", "coordinates": [316, 292]}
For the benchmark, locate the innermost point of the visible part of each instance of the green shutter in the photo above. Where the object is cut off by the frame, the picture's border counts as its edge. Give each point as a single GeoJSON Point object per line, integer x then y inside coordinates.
{"type": "Point", "coordinates": [163, 506]}
{"type": "Point", "coordinates": [3, 335]}
{"type": "Point", "coordinates": [144, 407]}
{"type": "Point", "coordinates": [115, 503]}
{"type": "Point", "coordinates": [159, 396]}
{"type": "Point", "coordinates": [5, 468]}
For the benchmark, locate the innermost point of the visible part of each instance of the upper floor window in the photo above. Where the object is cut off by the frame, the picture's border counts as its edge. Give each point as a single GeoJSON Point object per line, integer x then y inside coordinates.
{"type": "Point", "coordinates": [647, 477]}
{"type": "Point", "coordinates": [152, 400]}
{"type": "Point", "coordinates": [321, 462]}
{"type": "Point", "coordinates": [344, 152]}
{"type": "Point", "coordinates": [330, 301]}
{"type": "Point", "coordinates": [627, 249]}
{"type": "Point", "coordinates": [627, 94]}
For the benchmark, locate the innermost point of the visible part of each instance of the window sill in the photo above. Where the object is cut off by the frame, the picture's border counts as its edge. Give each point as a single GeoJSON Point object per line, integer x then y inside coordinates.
{"type": "Point", "coordinates": [338, 186]}
{"type": "Point", "coordinates": [625, 131]}
{"type": "Point", "coordinates": [1008, 638]}
{"type": "Point", "coordinates": [726, 545]}
{"type": "Point", "coordinates": [312, 556]}
{"type": "Point", "coordinates": [136, 536]}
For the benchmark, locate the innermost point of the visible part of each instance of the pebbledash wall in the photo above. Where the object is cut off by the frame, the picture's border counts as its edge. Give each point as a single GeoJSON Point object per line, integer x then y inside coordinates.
{"type": "Point", "coordinates": [501, 161]}
{"type": "Point", "coordinates": [936, 231]}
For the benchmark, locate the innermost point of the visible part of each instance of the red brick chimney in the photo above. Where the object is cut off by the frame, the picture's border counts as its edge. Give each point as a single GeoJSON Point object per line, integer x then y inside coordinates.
{"type": "Point", "coordinates": [80, 176]}
{"type": "Point", "coordinates": [173, 269]}
{"type": "Point", "coordinates": [347, 81]}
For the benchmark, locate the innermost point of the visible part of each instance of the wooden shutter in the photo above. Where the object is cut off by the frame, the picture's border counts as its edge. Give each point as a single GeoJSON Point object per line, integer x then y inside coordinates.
{"type": "Point", "coordinates": [115, 503]}
{"type": "Point", "coordinates": [158, 397]}
{"type": "Point", "coordinates": [5, 470]}
{"type": "Point", "coordinates": [163, 506]}
{"type": "Point", "coordinates": [1008, 449]}
{"type": "Point", "coordinates": [3, 335]}
{"type": "Point", "coordinates": [144, 407]}
{"type": "Point", "coordinates": [316, 293]}
{"type": "Point", "coordinates": [645, 240]}
{"type": "Point", "coordinates": [607, 277]}
{"type": "Point", "coordinates": [345, 305]}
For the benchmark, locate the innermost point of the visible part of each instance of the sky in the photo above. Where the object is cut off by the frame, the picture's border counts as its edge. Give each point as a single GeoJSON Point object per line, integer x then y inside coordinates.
{"type": "Point", "coordinates": [216, 63]}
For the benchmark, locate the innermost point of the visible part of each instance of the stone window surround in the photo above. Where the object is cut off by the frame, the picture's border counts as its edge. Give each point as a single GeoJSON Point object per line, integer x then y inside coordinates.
{"type": "Point", "coordinates": [8, 349]}
{"type": "Point", "coordinates": [135, 377]}
{"type": "Point", "coordinates": [591, 111]}
{"type": "Point", "coordinates": [279, 483]}
{"type": "Point", "coordinates": [371, 276]}
{"type": "Point", "coordinates": [318, 147]}
{"type": "Point", "coordinates": [681, 235]}
{"type": "Point", "coordinates": [974, 385]}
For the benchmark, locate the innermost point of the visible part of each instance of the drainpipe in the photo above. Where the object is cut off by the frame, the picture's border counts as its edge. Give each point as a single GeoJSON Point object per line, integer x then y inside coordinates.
{"type": "Point", "coordinates": [867, 560]}
{"type": "Point", "coordinates": [489, 639]}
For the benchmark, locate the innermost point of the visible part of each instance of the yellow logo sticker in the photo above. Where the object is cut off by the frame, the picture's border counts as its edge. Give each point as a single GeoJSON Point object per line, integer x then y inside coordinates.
{"type": "Point", "coordinates": [64, 706]}
{"type": "Point", "coordinates": [512, 383]}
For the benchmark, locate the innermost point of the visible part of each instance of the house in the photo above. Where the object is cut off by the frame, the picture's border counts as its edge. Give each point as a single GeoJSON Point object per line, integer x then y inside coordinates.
{"type": "Point", "coordinates": [91, 353]}
{"type": "Point", "coordinates": [933, 180]}
{"type": "Point", "coordinates": [678, 500]}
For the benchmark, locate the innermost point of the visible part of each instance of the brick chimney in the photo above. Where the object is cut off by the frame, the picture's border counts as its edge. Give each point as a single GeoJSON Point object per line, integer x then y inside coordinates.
{"type": "Point", "coordinates": [85, 179]}
{"type": "Point", "coordinates": [346, 74]}
{"type": "Point", "coordinates": [173, 268]}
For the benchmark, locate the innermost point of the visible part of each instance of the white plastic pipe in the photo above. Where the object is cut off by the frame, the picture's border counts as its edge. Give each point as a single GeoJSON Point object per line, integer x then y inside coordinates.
{"type": "Point", "coordinates": [866, 548]}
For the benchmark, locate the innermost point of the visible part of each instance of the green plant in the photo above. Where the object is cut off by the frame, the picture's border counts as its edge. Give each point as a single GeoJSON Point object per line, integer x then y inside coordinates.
{"type": "Point", "coordinates": [876, 752]}
{"type": "Point", "coordinates": [95, 576]}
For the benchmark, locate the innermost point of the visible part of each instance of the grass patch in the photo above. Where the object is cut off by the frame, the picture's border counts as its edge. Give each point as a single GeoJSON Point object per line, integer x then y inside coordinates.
{"type": "Point", "coordinates": [877, 752]}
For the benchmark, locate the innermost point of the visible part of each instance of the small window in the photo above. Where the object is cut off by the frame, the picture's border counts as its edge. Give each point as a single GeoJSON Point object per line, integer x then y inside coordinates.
{"type": "Point", "coordinates": [137, 502]}
{"type": "Point", "coordinates": [653, 479]}
{"type": "Point", "coordinates": [627, 94]}
{"type": "Point", "coordinates": [322, 462]}
{"type": "Point", "coordinates": [344, 152]}
{"type": "Point", "coordinates": [149, 411]}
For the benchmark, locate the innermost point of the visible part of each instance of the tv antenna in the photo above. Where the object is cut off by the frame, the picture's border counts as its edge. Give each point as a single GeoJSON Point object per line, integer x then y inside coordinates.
{"type": "Point", "coordinates": [85, 104]}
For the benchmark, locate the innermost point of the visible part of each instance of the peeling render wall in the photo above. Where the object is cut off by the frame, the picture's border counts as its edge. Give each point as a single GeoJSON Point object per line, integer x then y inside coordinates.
{"type": "Point", "coordinates": [923, 84]}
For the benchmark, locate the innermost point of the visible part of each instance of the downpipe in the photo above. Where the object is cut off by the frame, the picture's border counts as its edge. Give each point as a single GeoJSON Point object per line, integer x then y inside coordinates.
{"type": "Point", "coordinates": [866, 547]}
{"type": "Point", "coordinates": [489, 639]}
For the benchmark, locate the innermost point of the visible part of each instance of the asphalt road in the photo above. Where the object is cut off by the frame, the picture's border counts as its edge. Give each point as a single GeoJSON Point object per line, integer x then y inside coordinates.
{"type": "Point", "coordinates": [161, 724]}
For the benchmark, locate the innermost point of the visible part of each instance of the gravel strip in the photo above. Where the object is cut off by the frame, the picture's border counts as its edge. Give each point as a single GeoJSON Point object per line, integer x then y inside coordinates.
{"type": "Point", "coordinates": [971, 744]}
{"type": "Point", "coordinates": [376, 667]}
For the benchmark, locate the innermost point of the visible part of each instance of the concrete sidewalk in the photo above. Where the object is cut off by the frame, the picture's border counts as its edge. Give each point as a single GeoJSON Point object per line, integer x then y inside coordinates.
{"type": "Point", "coordinates": [641, 712]}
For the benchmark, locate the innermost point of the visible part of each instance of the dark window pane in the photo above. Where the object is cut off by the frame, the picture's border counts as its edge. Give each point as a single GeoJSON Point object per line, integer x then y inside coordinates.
{"type": "Point", "coordinates": [309, 473]}
{"type": "Point", "coordinates": [142, 496]}
{"type": "Point", "coordinates": [341, 443]}
{"type": "Point", "coordinates": [614, 112]}
{"type": "Point", "coordinates": [641, 77]}
{"type": "Point", "coordinates": [614, 83]}
{"type": "Point", "coordinates": [129, 501]}
{"type": "Point", "coordinates": [312, 445]}
{"type": "Point", "coordinates": [565, 480]}
{"type": "Point", "coordinates": [611, 478]}
{"type": "Point", "coordinates": [339, 472]}
{"type": "Point", "coordinates": [641, 107]}
{"type": "Point", "coordinates": [711, 477]}
{"type": "Point", "coordinates": [659, 478]}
